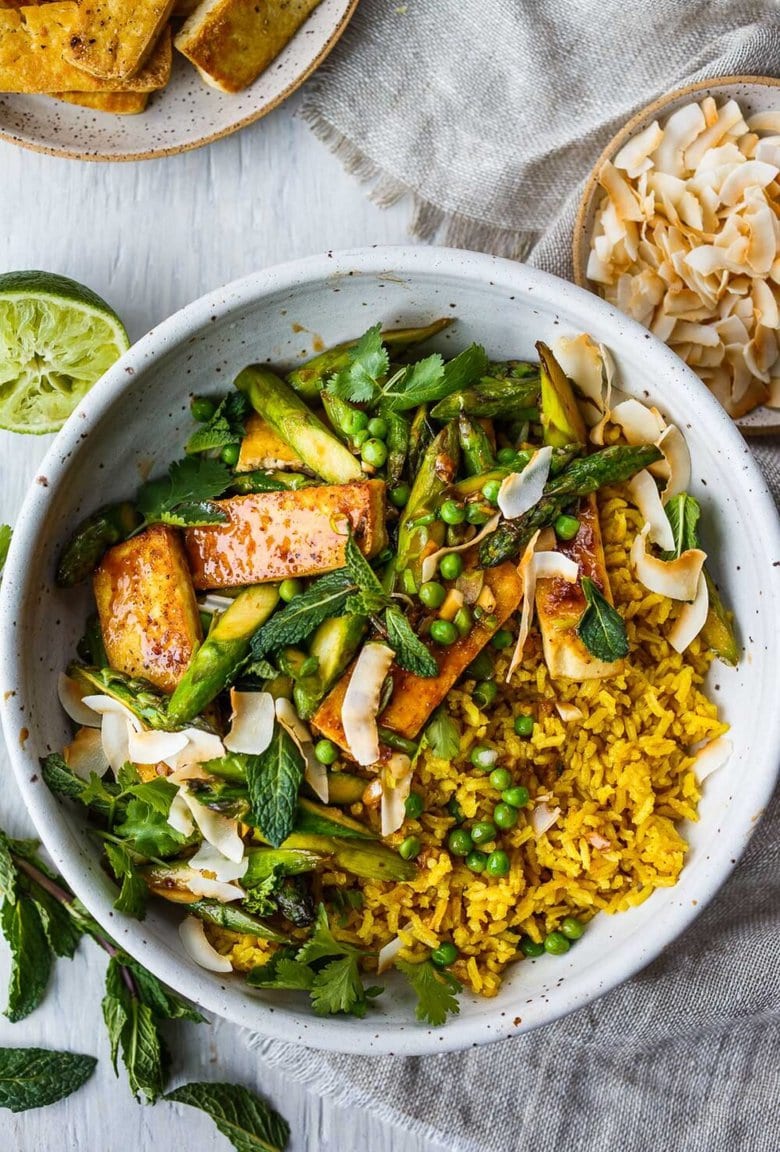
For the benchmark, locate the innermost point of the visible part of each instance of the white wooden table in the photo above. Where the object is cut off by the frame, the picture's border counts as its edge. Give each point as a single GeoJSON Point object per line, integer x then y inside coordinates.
{"type": "Point", "coordinates": [150, 237]}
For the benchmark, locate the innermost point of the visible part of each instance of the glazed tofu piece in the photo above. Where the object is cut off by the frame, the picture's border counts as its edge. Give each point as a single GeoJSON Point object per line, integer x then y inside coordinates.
{"type": "Point", "coordinates": [276, 535]}
{"type": "Point", "coordinates": [415, 697]}
{"type": "Point", "coordinates": [117, 103]}
{"type": "Point", "coordinates": [231, 42]}
{"type": "Point", "coordinates": [262, 447]}
{"type": "Point", "coordinates": [560, 605]}
{"type": "Point", "coordinates": [113, 38]}
{"type": "Point", "coordinates": [146, 604]}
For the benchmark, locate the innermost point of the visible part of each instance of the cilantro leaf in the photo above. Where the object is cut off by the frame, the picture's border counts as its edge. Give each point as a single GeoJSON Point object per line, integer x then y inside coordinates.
{"type": "Point", "coordinates": [273, 780]}
{"type": "Point", "coordinates": [248, 1122]}
{"type": "Point", "coordinates": [226, 426]}
{"type": "Point", "coordinates": [683, 513]}
{"type": "Point", "coordinates": [368, 362]}
{"type": "Point", "coordinates": [338, 988]}
{"type": "Point", "coordinates": [436, 991]}
{"type": "Point", "coordinates": [35, 1077]}
{"type": "Point", "coordinates": [442, 735]}
{"type": "Point", "coordinates": [324, 598]}
{"type": "Point", "coordinates": [132, 897]}
{"type": "Point", "coordinates": [284, 973]}
{"type": "Point", "coordinates": [260, 897]}
{"type": "Point", "coordinates": [184, 496]}
{"type": "Point", "coordinates": [431, 380]}
{"type": "Point", "coordinates": [601, 628]}
{"type": "Point", "coordinates": [31, 957]}
{"type": "Point", "coordinates": [410, 652]}
{"type": "Point", "coordinates": [6, 532]}
{"type": "Point", "coordinates": [322, 943]}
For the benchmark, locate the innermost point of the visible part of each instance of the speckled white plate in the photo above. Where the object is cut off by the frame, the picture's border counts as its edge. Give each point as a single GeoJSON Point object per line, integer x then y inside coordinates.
{"type": "Point", "coordinates": [753, 94]}
{"type": "Point", "coordinates": [185, 115]}
{"type": "Point", "coordinates": [139, 412]}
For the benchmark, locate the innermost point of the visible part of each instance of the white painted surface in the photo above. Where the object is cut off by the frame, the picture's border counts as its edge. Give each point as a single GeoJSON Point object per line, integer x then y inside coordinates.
{"type": "Point", "coordinates": [150, 237]}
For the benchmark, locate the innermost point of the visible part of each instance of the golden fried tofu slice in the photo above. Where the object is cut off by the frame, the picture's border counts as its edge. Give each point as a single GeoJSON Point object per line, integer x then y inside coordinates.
{"type": "Point", "coordinates": [277, 535]}
{"type": "Point", "coordinates": [183, 9]}
{"type": "Point", "coordinates": [147, 608]}
{"type": "Point", "coordinates": [117, 103]}
{"type": "Point", "coordinates": [560, 605]}
{"type": "Point", "coordinates": [414, 698]}
{"type": "Point", "coordinates": [262, 447]}
{"type": "Point", "coordinates": [114, 38]}
{"type": "Point", "coordinates": [231, 42]}
{"type": "Point", "coordinates": [33, 41]}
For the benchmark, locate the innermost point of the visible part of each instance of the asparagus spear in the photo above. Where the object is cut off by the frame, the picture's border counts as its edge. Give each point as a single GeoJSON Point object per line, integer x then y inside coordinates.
{"type": "Point", "coordinates": [561, 459]}
{"type": "Point", "coordinates": [287, 414]}
{"type": "Point", "coordinates": [92, 539]}
{"type": "Point", "coordinates": [333, 645]}
{"type": "Point", "coordinates": [310, 377]}
{"type": "Point", "coordinates": [505, 391]}
{"type": "Point", "coordinates": [420, 436]}
{"type": "Point", "coordinates": [609, 466]}
{"type": "Point", "coordinates": [476, 447]}
{"type": "Point", "coordinates": [142, 698]}
{"type": "Point", "coordinates": [397, 445]}
{"type": "Point", "coordinates": [560, 413]}
{"type": "Point", "coordinates": [244, 483]}
{"type": "Point", "coordinates": [437, 470]}
{"type": "Point", "coordinates": [344, 788]}
{"type": "Point", "coordinates": [718, 631]}
{"type": "Point", "coordinates": [235, 919]}
{"type": "Point", "coordinates": [221, 653]}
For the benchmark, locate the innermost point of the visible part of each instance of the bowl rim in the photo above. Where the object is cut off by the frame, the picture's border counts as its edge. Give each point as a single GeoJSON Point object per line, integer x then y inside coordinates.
{"type": "Point", "coordinates": [581, 987]}
{"type": "Point", "coordinates": [333, 37]}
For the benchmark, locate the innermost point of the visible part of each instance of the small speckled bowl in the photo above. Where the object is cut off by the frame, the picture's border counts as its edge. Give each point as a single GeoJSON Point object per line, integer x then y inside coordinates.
{"type": "Point", "coordinates": [753, 94]}
{"type": "Point", "coordinates": [186, 115]}
{"type": "Point", "coordinates": [138, 415]}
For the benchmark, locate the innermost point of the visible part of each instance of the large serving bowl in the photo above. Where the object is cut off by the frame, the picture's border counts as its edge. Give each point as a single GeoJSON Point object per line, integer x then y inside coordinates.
{"type": "Point", "coordinates": [136, 419]}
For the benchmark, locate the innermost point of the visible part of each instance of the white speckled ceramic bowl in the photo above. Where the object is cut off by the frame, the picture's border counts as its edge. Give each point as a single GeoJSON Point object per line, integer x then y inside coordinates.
{"type": "Point", "coordinates": [187, 114]}
{"type": "Point", "coordinates": [139, 414]}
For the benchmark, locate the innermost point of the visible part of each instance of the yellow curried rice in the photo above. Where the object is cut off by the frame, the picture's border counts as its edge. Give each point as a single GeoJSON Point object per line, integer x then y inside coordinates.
{"type": "Point", "coordinates": [622, 776]}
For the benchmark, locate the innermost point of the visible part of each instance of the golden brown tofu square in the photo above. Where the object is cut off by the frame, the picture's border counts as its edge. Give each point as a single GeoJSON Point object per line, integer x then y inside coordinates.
{"type": "Point", "coordinates": [114, 38]}
{"type": "Point", "coordinates": [263, 447]}
{"type": "Point", "coordinates": [277, 535]}
{"type": "Point", "coordinates": [231, 42]}
{"type": "Point", "coordinates": [117, 103]}
{"type": "Point", "coordinates": [147, 608]}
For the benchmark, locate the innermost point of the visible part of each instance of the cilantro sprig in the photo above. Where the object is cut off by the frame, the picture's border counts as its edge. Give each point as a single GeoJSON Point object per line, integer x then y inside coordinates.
{"type": "Point", "coordinates": [436, 990]}
{"type": "Point", "coordinates": [184, 498]}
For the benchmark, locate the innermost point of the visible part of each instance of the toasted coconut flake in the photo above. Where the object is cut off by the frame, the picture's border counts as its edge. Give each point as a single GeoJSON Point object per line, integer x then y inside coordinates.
{"type": "Point", "coordinates": [316, 773]}
{"type": "Point", "coordinates": [764, 121]}
{"type": "Point", "coordinates": [519, 491]}
{"type": "Point", "coordinates": [151, 747]}
{"type": "Point", "coordinates": [361, 701]}
{"type": "Point", "coordinates": [596, 840]}
{"type": "Point", "coordinates": [85, 754]}
{"type": "Point", "coordinates": [71, 697]}
{"type": "Point", "coordinates": [768, 150]}
{"type": "Point", "coordinates": [431, 562]}
{"type": "Point", "coordinates": [201, 747]}
{"type": "Point", "coordinates": [676, 465]}
{"type": "Point", "coordinates": [210, 859]}
{"type": "Point", "coordinates": [692, 618]}
{"type": "Point", "coordinates": [201, 885]}
{"type": "Point", "coordinates": [107, 705]}
{"type": "Point", "coordinates": [639, 424]}
{"type": "Point", "coordinates": [198, 947]}
{"type": "Point", "coordinates": [644, 493]}
{"type": "Point", "coordinates": [555, 566]}
{"type": "Point", "coordinates": [115, 736]}
{"type": "Point", "coordinates": [619, 192]}
{"type": "Point", "coordinates": [388, 953]}
{"type": "Point", "coordinates": [527, 574]}
{"type": "Point", "coordinates": [678, 579]}
{"type": "Point", "coordinates": [634, 155]}
{"type": "Point", "coordinates": [179, 815]}
{"type": "Point", "coordinates": [543, 817]}
{"type": "Point", "coordinates": [569, 713]}
{"type": "Point", "coordinates": [213, 603]}
{"type": "Point", "coordinates": [712, 757]}
{"type": "Point", "coordinates": [396, 779]}
{"type": "Point", "coordinates": [680, 131]}
{"type": "Point", "coordinates": [751, 174]}
{"type": "Point", "coordinates": [589, 366]}
{"type": "Point", "coordinates": [217, 829]}
{"type": "Point", "coordinates": [251, 722]}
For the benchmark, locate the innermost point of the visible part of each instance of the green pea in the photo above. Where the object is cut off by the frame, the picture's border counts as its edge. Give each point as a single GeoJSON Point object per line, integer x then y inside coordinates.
{"type": "Point", "coordinates": [497, 863]}
{"type": "Point", "coordinates": [202, 409]}
{"type": "Point", "coordinates": [483, 832]}
{"type": "Point", "coordinates": [483, 758]}
{"type": "Point", "coordinates": [399, 497]}
{"type": "Point", "coordinates": [354, 421]}
{"type": "Point", "coordinates": [454, 810]}
{"type": "Point", "coordinates": [476, 861]}
{"type": "Point", "coordinates": [485, 693]}
{"type": "Point", "coordinates": [478, 514]}
{"type": "Point", "coordinates": [433, 594]}
{"type": "Point", "coordinates": [360, 437]}
{"type": "Point", "coordinates": [378, 427]}
{"type": "Point", "coordinates": [556, 944]}
{"type": "Point", "coordinates": [490, 491]}
{"type": "Point", "coordinates": [409, 848]}
{"type": "Point", "coordinates": [502, 639]}
{"type": "Point", "coordinates": [506, 456]}
{"type": "Point", "coordinates": [444, 632]}
{"type": "Point", "coordinates": [326, 751]}
{"type": "Point", "coordinates": [464, 620]}
{"type": "Point", "coordinates": [572, 928]}
{"type": "Point", "coordinates": [505, 816]}
{"type": "Point", "coordinates": [459, 842]}
{"type": "Point", "coordinates": [516, 797]}
{"type": "Point", "coordinates": [414, 805]}
{"type": "Point", "coordinates": [229, 455]}
{"type": "Point", "coordinates": [481, 667]}
{"type": "Point", "coordinates": [374, 452]}
{"type": "Point", "coordinates": [531, 948]}
{"type": "Point", "coordinates": [444, 955]}
{"type": "Point", "coordinates": [500, 778]}
{"type": "Point", "coordinates": [289, 589]}
{"type": "Point", "coordinates": [451, 566]}
{"type": "Point", "coordinates": [524, 725]}
{"type": "Point", "coordinates": [452, 512]}
{"type": "Point", "coordinates": [566, 527]}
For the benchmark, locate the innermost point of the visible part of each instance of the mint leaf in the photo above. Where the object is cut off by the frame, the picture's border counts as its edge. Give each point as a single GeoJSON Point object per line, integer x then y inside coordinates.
{"type": "Point", "coordinates": [361, 571]}
{"type": "Point", "coordinates": [248, 1122]}
{"type": "Point", "coordinates": [273, 780]}
{"type": "Point", "coordinates": [6, 532]}
{"type": "Point", "coordinates": [7, 871]}
{"type": "Point", "coordinates": [368, 362]}
{"type": "Point", "coordinates": [186, 492]}
{"type": "Point", "coordinates": [324, 598]}
{"type": "Point", "coordinates": [436, 991]}
{"type": "Point", "coordinates": [62, 931]}
{"type": "Point", "coordinates": [410, 652]}
{"type": "Point", "coordinates": [132, 1029]}
{"type": "Point", "coordinates": [31, 957]}
{"type": "Point", "coordinates": [601, 628]}
{"type": "Point", "coordinates": [35, 1077]}
{"type": "Point", "coordinates": [442, 735]}
{"type": "Point", "coordinates": [162, 1001]}
{"type": "Point", "coordinates": [226, 426]}
{"type": "Point", "coordinates": [683, 513]}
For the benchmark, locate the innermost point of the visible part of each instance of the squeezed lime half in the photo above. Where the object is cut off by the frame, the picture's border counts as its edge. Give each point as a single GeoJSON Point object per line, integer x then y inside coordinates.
{"type": "Point", "coordinates": [56, 339]}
